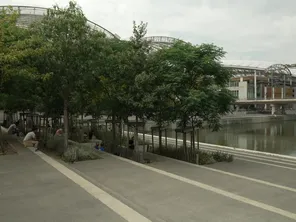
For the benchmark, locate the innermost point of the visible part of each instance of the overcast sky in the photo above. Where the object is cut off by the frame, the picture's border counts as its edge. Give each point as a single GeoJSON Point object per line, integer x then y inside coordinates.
{"type": "Point", "coordinates": [261, 30]}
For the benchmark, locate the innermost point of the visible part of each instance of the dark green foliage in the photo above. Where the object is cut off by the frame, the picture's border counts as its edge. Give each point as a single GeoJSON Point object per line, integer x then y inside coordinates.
{"type": "Point", "coordinates": [60, 66]}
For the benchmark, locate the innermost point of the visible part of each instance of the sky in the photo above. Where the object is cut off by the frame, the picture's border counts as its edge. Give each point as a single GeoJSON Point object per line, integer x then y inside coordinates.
{"type": "Point", "coordinates": [261, 30]}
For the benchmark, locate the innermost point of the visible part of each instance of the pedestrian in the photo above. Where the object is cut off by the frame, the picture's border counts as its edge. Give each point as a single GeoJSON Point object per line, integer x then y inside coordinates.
{"type": "Point", "coordinates": [30, 139]}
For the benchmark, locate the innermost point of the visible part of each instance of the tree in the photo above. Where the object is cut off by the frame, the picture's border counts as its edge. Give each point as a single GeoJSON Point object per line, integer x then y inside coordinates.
{"type": "Point", "coordinates": [113, 82]}
{"type": "Point", "coordinates": [69, 62]}
{"type": "Point", "coordinates": [157, 99]}
{"type": "Point", "coordinates": [198, 83]}
{"type": "Point", "coordinates": [187, 83]}
{"type": "Point", "coordinates": [139, 58]}
{"type": "Point", "coordinates": [21, 54]}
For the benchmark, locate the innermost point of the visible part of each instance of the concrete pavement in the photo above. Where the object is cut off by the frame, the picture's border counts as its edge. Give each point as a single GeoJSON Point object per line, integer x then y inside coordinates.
{"type": "Point", "coordinates": [166, 199]}
{"type": "Point", "coordinates": [35, 187]}
{"type": "Point", "coordinates": [32, 190]}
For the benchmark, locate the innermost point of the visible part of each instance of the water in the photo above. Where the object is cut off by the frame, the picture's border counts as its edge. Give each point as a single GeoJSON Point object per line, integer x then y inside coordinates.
{"type": "Point", "coordinates": [274, 137]}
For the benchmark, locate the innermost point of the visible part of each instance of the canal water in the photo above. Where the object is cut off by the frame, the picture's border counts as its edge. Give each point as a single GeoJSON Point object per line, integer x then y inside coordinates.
{"type": "Point", "coordinates": [273, 137]}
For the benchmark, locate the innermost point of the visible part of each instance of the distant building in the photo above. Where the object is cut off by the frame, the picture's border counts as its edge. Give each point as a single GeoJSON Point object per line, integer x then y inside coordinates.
{"type": "Point", "coordinates": [254, 80]}
{"type": "Point", "coordinates": [30, 14]}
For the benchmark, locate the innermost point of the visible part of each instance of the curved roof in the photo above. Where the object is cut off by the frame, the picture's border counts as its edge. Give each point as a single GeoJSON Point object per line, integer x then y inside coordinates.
{"type": "Point", "coordinates": [247, 64]}
{"type": "Point", "coordinates": [29, 14]}
{"type": "Point", "coordinates": [161, 39]}
{"type": "Point", "coordinates": [254, 65]}
{"type": "Point", "coordinates": [159, 42]}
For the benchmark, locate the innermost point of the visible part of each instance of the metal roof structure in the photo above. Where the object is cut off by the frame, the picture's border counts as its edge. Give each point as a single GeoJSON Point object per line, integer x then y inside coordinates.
{"type": "Point", "coordinates": [30, 14]}
{"type": "Point", "coordinates": [159, 42]}
{"type": "Point", "coordinates": [261, 66]}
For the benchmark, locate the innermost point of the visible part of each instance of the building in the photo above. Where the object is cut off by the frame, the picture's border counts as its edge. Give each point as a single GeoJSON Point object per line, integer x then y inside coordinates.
{"type": "Point", "coordinates": [30, 14]}
{"type": "Point", "coordinates": [254, 80]}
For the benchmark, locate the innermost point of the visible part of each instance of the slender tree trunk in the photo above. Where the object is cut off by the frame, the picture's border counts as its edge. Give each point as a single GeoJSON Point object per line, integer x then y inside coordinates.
{"type": "Point", "coordinates": [185, 146]}
{"type": "Point", "coordinates": [1, 140]}
{"type": "Point", "coordinates": [46, 131]}
{"type": "Point", "coordinates": [197, 146]}
{"type": "Point", "coordinates": [136, 141]}
{"type": "Point", "coordinates": [66, 124]}
{"type": "Point", "coordinates": [121, 129]}
{"type": "Point", "coordinates": [185, 139]}
{"type": "Point", "coordinates": [113, 132]}
{"type": "Point", "coordinates": [128, 139]}
{"type": "Point", "coordinates": [193, 151]}
{"type": "Point", "coordinates": [160, 139]}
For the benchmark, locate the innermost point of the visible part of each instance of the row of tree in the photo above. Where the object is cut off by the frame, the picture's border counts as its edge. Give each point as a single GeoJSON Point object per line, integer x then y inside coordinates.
{"type": "Point", "coordinates": [61, 66]}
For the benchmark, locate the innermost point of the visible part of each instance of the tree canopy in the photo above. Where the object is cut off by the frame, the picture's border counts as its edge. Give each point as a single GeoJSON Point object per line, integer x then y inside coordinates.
{"type": "Point", "coordinates": [61, 66]}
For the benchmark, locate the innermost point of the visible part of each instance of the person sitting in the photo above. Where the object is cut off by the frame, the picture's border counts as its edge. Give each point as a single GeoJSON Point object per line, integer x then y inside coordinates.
{"type": "Point", "coordinates": [59, 132]}
{"type": "Point", "coordinates": [13, 128]}
{"type": "Point", "coordinates": [30, 139]}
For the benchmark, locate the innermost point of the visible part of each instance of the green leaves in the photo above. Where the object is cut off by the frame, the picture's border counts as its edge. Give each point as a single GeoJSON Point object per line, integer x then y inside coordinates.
{"type": "Point", "coordinates": [186, 83]}
{"type": "Point", "coordinates": [61, 60]}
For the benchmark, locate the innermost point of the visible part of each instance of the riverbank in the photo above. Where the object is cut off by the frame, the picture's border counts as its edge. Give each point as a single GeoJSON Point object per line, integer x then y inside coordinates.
{"type": "Point", "coordinates": [254, 119]}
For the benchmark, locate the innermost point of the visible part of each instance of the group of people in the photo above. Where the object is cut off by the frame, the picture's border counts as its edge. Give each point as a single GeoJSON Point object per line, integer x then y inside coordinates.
{"type": "Point", "coordinates": [30, 140]}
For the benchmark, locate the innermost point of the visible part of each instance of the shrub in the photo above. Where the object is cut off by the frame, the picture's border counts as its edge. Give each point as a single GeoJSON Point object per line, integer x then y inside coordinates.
{"type": "Point", "coordinates": [75, 151]}
{"type": "Point", "coordinates": [80, 152]}
{"type": "Point", "coordinates": [222, 157]}
{"type": "Point", "coordinates": [205, 157]}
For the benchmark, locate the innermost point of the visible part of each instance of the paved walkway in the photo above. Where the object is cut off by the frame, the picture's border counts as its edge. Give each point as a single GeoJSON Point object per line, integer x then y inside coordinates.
{"type": "Point", "coordinates": [32, 190]}
{"type": "Point", "coordinates": [166, 190]}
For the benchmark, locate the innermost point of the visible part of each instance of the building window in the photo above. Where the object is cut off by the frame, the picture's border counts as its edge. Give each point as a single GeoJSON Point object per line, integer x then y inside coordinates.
{"type": "Point", "coordinates": [235, 93]}
{"type": "Point", "coordinates": [233, 84]}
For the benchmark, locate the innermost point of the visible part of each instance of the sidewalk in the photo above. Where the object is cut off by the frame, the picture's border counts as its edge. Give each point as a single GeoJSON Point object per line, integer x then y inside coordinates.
{"type": "Point", "coordinates": [35, 189]}
{"type": "Point", "coordinates": [166, 199]}
{"type": "Point", "coordinates": [31, 190]}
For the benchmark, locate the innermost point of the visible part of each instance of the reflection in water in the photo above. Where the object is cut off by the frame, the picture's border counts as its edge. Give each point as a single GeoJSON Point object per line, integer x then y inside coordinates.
{"type": "Point", "coordinates": [273, 137]}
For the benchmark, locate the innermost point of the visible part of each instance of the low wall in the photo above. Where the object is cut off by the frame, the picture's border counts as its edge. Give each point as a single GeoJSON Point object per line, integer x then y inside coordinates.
{"type": "Point", "coordinates": [256, 119]}
{"type": "Point", "coordinates": [212, 147]}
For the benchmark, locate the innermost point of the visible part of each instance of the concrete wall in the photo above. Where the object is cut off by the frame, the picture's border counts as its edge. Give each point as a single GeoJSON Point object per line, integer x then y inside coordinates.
{"type": "Point", "coordinates": [256, 119]}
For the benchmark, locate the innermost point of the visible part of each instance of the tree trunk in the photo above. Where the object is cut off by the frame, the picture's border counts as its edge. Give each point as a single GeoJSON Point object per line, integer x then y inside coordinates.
{"type": "Point", "coordinates": [128, 139]}
{"type": "Point", "coordinates": [193, 151]}
{"type": "Point", "coordinates": [160, 139]}
{"type": "Point", "coordinates": [136, 141]}
{"type": "Point", "coordinates": [66, 124]}
{"type": "Point", "coordinates": [113, 133]}
{"type": "Point", "coordinates": [2, 141]}
{"type": "Point", "coordinates": [46, 131]}
{"type": "Point", "coordinates": [197, 146]}
{"type": "Point", "coordinates": [185, 146]}
{"type": "Point", "coordinates": [121, 129]}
